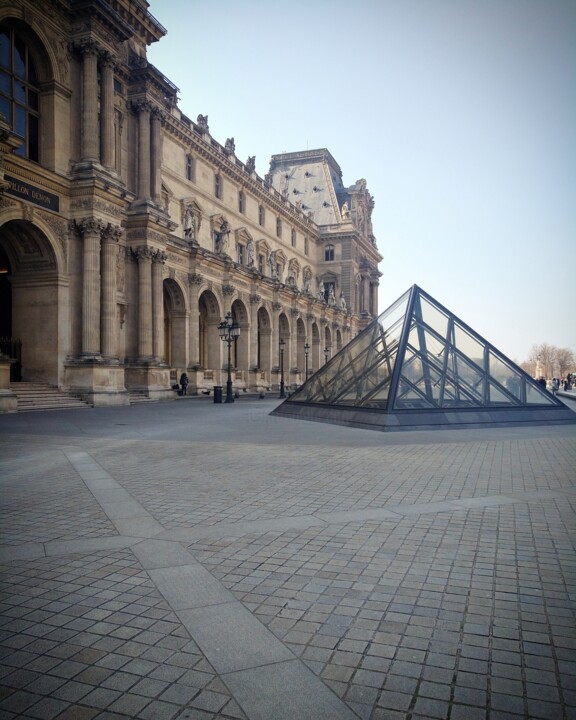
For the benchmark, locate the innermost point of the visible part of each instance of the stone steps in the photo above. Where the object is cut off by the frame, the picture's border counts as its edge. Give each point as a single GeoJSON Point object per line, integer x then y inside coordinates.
{"type": "Point", "coordinates": [136, 397]}
{"type": "Point", "coordinates": [34, 396]}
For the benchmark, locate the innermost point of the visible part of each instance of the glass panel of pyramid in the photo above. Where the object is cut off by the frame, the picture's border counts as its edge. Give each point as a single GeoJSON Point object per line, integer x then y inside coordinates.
{"type": "Point", "coordinates": [418, 357]}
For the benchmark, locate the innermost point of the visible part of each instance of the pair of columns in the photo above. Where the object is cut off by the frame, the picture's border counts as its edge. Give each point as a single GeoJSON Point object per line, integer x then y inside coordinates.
{"type": "Point", "coordinates": [98, 141]}
{"type": "Point", "coordinates": [98, 136]}
{"type": "Point", "coordinates": [100, 251]}
{"type": "Point", "coordinates": [150, 303]}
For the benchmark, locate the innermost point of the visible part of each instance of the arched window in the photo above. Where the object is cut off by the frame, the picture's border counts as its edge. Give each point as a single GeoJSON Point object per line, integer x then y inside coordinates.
{"type": "Point", "coordinates": [19, 92]}
{"type": "Point", "coordinates": [329, 252]}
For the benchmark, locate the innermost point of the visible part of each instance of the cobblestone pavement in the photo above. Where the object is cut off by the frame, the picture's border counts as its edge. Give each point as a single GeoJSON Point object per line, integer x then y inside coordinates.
{"type": "Point", "coordinates": [201, 561]}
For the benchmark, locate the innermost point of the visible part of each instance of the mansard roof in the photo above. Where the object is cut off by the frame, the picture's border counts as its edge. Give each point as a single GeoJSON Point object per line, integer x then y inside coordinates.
{"type": "Point", "coordinates": [311, 178]}
{"type": "Point", "coordinates": [417, 366]}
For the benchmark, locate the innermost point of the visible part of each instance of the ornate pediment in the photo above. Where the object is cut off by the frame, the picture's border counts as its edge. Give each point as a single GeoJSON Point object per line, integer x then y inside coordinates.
{"type": "Point", "coordinates": [242, 235]}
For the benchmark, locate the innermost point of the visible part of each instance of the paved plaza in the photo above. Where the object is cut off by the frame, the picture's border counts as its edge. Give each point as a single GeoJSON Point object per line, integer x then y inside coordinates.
{"type": "Point", "coordinates": [201, 561]}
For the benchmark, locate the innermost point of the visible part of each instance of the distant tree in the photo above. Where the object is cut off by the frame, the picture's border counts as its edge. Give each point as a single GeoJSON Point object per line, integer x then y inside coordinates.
{"type": "Point", "coordinates": [543, 357]}
{"type": "Point", "coordinates": [565, 361]}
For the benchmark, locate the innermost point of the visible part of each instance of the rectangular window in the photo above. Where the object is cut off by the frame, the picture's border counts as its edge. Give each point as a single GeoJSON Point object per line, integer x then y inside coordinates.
{"type": "Point", "coordinates": [261, 263]}
{"type": "Point", "coordinates": [240, 254]}
{"type": "Point", "coordinates": [261, 215]}
{"type": "Point", "coordinates": [189, 168]}
{"type": "Point", "coordinates": [293, 238]}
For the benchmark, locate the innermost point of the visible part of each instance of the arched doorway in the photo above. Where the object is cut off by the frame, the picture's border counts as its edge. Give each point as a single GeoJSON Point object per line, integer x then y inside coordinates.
{"type": "Point", "coordinates": [209, 350]}
{"type": "Point", "coordinates": [34, 301]}
{"type": "Point", "coordinates": [175, 327]}
{"type": "Point", "coordinates": [241, 347]}
{"type": "Point", "coordinates": [264, 344]}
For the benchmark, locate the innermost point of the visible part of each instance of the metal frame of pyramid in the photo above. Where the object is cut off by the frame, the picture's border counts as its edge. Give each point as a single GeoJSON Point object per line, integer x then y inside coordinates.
{"type": "Point", "coordinates": [418, 366]}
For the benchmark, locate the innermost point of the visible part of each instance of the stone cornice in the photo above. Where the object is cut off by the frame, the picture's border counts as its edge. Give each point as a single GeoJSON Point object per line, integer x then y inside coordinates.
{"type": "Point", "coordinates": [237, 172]}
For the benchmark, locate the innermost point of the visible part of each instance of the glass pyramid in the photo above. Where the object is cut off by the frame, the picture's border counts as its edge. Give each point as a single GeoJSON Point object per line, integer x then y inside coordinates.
{"type": "Point", "coordinates": [418, 366]}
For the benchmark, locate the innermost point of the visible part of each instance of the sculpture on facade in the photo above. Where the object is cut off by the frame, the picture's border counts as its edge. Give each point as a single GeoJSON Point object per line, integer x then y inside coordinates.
{"type": "Point", "coordinates": [230, 146]}
{"type": "Point", "coordinates": [342, 301]}
{"type": "Point", "coordinates": [273, 264]}
{"type": "Point", "coordinates": [331, 296]}
{"type": "Point", "coordinates": [251, 164]}
{"type": "Point", "coordinates": [222, 238]}
{"type": "Point", "coordinates": [345, 211]}
{"type": "Point", "coordinates": [321, 291]}
{"type": "Point", "coordinates": [250, 254]}
{"type": "Point", "coordinates": [189, 224]}
{"type": "Point", "coordinates": [307, 279]}
{"type": "Point", "coordinates": [202, 122]}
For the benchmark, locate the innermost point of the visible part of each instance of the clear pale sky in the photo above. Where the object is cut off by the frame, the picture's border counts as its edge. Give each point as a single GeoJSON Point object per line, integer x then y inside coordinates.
{"type": "Point", "coordinates": [460, 115]}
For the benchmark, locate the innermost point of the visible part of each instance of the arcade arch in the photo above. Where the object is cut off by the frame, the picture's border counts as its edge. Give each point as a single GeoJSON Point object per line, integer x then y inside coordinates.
{"type": "Point", "coordinates": [35, 296]}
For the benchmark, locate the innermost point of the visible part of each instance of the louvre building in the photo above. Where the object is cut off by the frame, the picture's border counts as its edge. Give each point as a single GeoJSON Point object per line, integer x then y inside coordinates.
{"type": "Point", "coordinates": [127, 232]}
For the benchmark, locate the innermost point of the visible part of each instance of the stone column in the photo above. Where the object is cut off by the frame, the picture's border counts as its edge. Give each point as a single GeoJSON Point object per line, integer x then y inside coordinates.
{"type": "Point", "coordinates": [276, 307]}
{"type": "Point", "coordinates": [90, 136]}
{"type": "Point", "coordinates": [254, 305]}
{"type": "Point", "coordinates": [108, 144]}
{"type": "Point", "coordinates": [144, 256]}
{"type": "Point", "coordinates": [195, 281]}
{"type": "Point", "coordinates": [91, 229]}
{"type": "Point", "coordinates": [365, 294]}
{"type": "Point", "coordinates": [158, 259]}
{"type": "Point", "coordinates": [156, 152]}
{"type": "Point", "coordinates": [143, 109]}
{"type": "Point", "coordinates": [110, 238]}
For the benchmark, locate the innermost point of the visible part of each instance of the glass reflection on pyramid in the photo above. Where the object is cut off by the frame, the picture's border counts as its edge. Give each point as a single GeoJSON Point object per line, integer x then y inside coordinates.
{"type": "Point", "coordinates": [417, 366]}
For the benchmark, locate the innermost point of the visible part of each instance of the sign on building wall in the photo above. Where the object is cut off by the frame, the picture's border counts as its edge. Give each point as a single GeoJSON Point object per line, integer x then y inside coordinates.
{"type": "Point", "coordinates": [31, 193]}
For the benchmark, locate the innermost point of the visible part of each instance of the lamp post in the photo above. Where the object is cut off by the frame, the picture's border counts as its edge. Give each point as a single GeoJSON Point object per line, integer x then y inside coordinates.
{"type": "Point", "coordinates": [282, 346]}
{"type": "Point", "coordinates": [229, 331]}
{"type": "Point", "coordinates": [326, 353]}
{"type": "Point", "coordinates": [306, 350]}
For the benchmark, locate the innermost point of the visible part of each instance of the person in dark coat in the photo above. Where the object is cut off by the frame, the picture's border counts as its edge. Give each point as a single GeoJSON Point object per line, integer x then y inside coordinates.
{"type": "Point", "coordinates": [184, 383]}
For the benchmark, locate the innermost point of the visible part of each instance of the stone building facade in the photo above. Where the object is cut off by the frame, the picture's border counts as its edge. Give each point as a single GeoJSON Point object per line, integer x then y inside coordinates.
{"type": "Point", "coordinates": [127, 232]}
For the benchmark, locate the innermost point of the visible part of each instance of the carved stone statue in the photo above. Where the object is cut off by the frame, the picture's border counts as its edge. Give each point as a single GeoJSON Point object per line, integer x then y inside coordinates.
{"type": "Point", "coordinates": [222, 238]}
{"type": "Point", "coordinates": [189, 224]}
{"type": "Point", "coordinates": [331, 296]}
{"type": "Point", "coordinates": [251, 164]}
{"type": "Point", "coordinates": [342, 301]}
{"type": "Point", "coordinates": [250, 255]}
{"type": "Point", "coordinates": [307, 279]}
{"type": "Point", "coordinates": [230, 146]}
{"type": "Point", "coordinates": [272, 263]}
{"type": "Point", "coordinates": [345, 211]}
{"type": "Point", "coordinates": [321, 291]}
{"type": "Point", "coordinates": [202, 122]}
